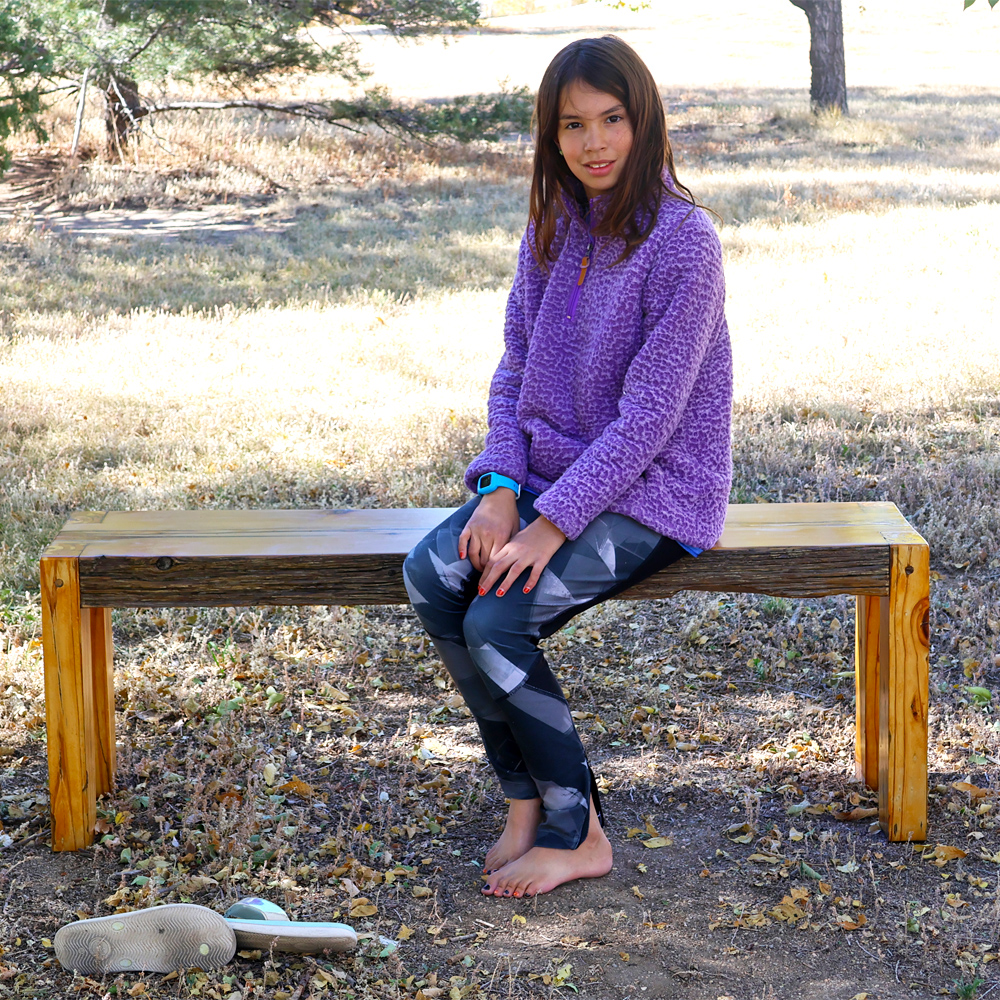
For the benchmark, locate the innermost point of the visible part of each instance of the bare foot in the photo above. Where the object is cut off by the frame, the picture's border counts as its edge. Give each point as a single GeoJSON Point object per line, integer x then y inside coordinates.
{"type": "Point", "coordinates": [523, 817]}
{"type": "Point", "coordinates": [543, 868]}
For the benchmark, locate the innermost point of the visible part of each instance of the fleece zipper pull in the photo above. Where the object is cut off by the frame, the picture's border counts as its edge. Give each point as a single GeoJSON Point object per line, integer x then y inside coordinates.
{"type": "Point", "coordinates": [584, 265]}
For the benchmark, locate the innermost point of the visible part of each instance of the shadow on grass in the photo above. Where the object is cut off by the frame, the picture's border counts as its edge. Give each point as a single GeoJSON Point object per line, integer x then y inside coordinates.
{"type": "Point", "coordinates": [423, 238]}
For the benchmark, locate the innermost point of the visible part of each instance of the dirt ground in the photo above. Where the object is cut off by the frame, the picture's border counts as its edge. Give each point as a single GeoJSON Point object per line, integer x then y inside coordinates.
{"type": "Point", "coordinates": [739, 868]}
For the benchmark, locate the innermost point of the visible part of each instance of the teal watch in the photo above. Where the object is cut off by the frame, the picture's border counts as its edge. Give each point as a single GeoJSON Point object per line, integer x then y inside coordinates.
{"type": "Point", "coordinates": [492, 481]}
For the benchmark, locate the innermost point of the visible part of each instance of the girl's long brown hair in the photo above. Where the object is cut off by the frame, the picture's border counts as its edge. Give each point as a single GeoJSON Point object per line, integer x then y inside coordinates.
{"type": "Point", "coordinates": [610, 65]}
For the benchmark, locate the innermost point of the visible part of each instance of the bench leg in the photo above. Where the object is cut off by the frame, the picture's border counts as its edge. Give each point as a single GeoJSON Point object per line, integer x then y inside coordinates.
{"type": "Point", "coordinates": [96, 635]}
{"type": "Point", "coordinates": [69, 705]}
{"type": "Point", "coordinates": [870, 632]}
{"type": "Point", "coordinates": [903, 696]}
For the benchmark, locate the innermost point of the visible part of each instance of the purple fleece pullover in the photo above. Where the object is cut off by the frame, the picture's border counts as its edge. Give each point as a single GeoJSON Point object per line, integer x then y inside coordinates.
{"type": "Point", "coordinates": [624, 406]}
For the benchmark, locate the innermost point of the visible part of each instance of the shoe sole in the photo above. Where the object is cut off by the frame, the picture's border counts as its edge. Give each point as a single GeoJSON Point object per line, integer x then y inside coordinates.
{"type": "Point", "coordinates": [292, 936]}
{"type": "Point", "coordinates": [160, 939]}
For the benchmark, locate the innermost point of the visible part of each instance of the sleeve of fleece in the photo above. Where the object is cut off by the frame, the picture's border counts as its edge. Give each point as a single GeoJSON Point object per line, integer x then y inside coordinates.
{"type": "Point", "coordinates": [506, 450]}
{"type": "Point", "coordinates": [682, 320]}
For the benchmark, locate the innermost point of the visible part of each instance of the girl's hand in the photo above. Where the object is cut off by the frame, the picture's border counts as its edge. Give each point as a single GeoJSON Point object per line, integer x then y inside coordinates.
{"type": "Point", "coordinates": [492, 525]}
{"type": "Point", "coordinates": [534, 547]}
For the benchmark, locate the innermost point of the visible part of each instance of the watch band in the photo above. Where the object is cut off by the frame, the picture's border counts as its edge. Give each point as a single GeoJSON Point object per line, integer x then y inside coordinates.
{"type": "Point", "coordinates": [491, 481]}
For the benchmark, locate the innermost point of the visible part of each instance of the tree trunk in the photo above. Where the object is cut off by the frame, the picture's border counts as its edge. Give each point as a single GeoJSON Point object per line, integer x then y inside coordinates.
{"type": "Point", "coordinates": [123, 111]}
{"type": "Point", "coordinates": [828, 88]}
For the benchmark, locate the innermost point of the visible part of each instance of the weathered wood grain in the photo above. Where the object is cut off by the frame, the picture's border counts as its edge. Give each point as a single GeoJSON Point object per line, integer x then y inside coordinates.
{"type": "Point", "coordinates": [782, 572]}
{"type": "Point", "coordinates": [903, 696]}
{"type": "Point", "coordinates": [69, 707]}
{"type": "Point", "coordinates": [167, 582]}
{"type": "Point", "coordinates": [252, 580]}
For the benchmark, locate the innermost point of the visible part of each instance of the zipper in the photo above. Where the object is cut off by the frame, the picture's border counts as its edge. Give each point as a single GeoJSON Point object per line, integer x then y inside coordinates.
{"type": "Point", "coordinates": [584, 265]}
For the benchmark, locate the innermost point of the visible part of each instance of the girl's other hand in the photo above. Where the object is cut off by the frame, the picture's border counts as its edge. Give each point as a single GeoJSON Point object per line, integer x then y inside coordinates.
{"type": "Point", "coordinates": [534, 547]}
{"type": "Point", "coordinates": [492, 525]}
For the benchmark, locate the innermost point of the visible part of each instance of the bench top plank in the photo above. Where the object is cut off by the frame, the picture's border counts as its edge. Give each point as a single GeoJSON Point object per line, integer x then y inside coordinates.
{"type": "Point", "coordinates": [202, 558]}
{"type": "Point", "coordinates": [200, 534]}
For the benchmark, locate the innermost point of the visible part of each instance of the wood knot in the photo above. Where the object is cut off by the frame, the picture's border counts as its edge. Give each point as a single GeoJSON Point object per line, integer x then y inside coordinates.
{"type": "Point", "coordinates": [909, 570]}
{"type": "Point", "coordinates": [164, 562]}
{"type": "Point", "coordinates": [59, 583]}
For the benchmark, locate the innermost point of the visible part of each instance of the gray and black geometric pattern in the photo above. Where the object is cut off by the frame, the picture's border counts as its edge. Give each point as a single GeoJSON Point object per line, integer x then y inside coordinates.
{"type": "Point", "coordinates": [490, 647]}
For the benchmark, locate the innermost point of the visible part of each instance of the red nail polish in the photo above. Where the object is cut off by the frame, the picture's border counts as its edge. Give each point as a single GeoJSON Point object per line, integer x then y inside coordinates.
{"type": "Point", "coordinates": [500, 593]}
{"type": "Point", "coordinates": [527, 590]}
{"type": "Point", "coordinates": [482, 593]}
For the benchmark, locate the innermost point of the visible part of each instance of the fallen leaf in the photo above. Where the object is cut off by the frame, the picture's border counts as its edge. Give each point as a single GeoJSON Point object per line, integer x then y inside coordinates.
{"type": "Point", "coordinates": [856, 814]}
{"type": "Point", "coordinates": [637, 893]}
{"type": "Point", "coordinates": [654, 842]}
{"type": "Point", "coordinates": [296, 786]}
{"type": "Point", "coordinates": [848, 869]}
{"type": "Point", "coordinates": [853, 925]}
{"type": "Point", "coordinates": [642, 868]}
{"type": "Point", "coordinates": [943, 853]}
{"type": "Point", "coordinates": [421, 892]}
{"type": "Point", "coordinates": [787, 910]}
{"type": "Point", "coordinates": [270, 773]}
{"type": "Point", "coordinates": [974, 790]}
{"type": "Point", "coordinates": [404, 933]}
{"type": "Point", "coordinates": [518, 919]}
{"type": "Point", "coordinates": [764, 859]}
{"type": "Point", "coordinates": [995, 858]}
{"type": "Point", "coordinates": [740, 833]}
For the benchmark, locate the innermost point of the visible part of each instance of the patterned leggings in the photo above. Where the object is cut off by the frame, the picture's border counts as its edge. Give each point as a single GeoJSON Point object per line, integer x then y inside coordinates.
{"type": "Point", "coordinates": [490, 647]}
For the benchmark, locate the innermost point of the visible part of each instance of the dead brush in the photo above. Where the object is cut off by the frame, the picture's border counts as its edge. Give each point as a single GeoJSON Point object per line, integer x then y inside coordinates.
{"type": "Point", "coordinates": [232, 157]}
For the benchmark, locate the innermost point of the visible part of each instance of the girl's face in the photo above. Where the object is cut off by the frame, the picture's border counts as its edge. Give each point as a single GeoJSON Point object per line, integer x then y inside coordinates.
{"type": "Point", "coordinates": [594, 136]}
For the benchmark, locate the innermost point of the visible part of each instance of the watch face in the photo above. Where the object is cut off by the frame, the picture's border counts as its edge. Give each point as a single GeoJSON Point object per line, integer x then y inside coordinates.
{"type": "Point", "coordinates": [484, 481]}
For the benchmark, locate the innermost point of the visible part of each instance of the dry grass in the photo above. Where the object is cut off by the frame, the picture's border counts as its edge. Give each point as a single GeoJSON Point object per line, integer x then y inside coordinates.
{"type": "Point", "coordinates": [345, 362]}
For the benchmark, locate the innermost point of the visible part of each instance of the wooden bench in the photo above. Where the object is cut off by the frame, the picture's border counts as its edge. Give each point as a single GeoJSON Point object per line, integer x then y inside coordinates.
{"type": "Point", "coordinates": [199, 558]}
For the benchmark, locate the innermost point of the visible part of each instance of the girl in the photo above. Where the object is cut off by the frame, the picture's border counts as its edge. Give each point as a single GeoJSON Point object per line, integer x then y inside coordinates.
{"type": "Point", "coordinates": [607, 456]}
